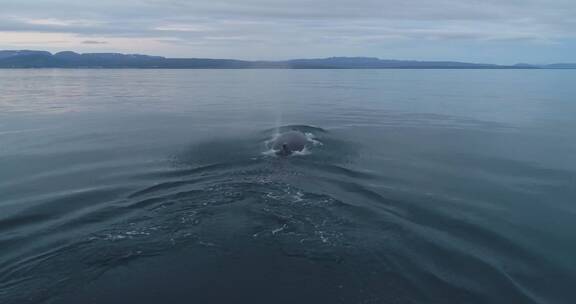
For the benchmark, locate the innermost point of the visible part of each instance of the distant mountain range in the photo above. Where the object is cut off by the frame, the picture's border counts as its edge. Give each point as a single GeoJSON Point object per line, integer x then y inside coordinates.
{"type": "Point", "coordinates": [43, 59]}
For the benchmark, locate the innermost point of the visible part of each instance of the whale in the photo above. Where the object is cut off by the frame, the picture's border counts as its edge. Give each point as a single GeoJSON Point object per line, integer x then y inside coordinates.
{"type": "Point", "coordinates": [285, 144]}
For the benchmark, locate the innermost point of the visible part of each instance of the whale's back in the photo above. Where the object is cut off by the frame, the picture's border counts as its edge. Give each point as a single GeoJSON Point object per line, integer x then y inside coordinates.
{"type": "Point", "coordinates": [290, 142]}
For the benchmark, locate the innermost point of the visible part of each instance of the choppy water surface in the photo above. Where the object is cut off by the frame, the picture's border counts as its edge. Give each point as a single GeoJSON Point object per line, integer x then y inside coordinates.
{"type": "Point", "coordinates": [425, 186]}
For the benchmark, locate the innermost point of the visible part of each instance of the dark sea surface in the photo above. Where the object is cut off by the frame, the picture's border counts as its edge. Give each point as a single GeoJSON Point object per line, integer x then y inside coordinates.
{"type": "Point", "coordinates": [153, 186]}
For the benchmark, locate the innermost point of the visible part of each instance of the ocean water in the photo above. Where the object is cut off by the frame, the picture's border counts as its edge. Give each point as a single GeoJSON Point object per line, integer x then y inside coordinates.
{"type": "Point", "coordinates": [153, 186]}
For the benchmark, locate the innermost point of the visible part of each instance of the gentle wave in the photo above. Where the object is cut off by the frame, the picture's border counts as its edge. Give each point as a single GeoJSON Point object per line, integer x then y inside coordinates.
{"type": "Point", "coordinates": [190, 204]}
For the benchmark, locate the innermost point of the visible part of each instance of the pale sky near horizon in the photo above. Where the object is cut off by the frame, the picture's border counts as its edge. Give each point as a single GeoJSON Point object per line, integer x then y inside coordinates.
{"type": "Point", "coordinates": [491, 31]}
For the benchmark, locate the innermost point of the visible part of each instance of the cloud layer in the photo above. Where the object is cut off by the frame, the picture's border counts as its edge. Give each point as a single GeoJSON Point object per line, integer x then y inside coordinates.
{"type": "Point", "coordinates": [275, 29]}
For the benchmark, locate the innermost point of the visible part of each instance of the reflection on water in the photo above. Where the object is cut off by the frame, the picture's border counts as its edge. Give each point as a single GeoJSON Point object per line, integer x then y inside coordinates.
{"type": "Point", "coordinates": [457, 190]}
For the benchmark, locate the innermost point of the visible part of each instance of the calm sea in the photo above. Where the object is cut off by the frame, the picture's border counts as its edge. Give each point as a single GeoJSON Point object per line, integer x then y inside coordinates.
{"type": "Point", "coordinates": [152, 186]}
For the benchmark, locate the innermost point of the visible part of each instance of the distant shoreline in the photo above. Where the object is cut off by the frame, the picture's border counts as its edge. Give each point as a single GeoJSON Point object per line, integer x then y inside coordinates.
{"type": "Point", "coordinates": [27, 59]}
{"type": "Point", "coordinates": [278, 68]}
{"type": "Point", "coordinates": [270, 68]}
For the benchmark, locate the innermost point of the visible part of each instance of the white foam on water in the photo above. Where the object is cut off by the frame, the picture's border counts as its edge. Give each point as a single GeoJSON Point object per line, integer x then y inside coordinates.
{"type": "Point", "coordinates": [310, 137]}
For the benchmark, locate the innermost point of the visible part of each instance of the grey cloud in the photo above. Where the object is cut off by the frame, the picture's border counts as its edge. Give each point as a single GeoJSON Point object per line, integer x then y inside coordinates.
{"type": "Point", "coordinates": [93, 42]}
{"type": "Point", "coordinates": [296, 22]}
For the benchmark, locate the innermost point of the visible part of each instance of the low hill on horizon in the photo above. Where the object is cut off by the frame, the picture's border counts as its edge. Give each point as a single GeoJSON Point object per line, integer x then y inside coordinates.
{"type": "Point", "coordinates": [69, 59]}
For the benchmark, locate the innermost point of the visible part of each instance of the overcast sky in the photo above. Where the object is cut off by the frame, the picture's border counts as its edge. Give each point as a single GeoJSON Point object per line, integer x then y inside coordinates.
{"type": "Point", "coordinates": [495, 31]}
